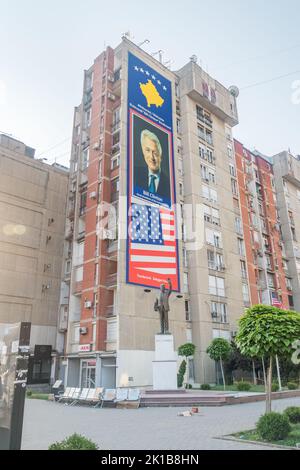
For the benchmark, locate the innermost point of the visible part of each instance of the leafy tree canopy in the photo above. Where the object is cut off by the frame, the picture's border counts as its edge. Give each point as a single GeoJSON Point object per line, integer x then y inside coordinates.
{"type": "Point", "coordinates": [265, 331]}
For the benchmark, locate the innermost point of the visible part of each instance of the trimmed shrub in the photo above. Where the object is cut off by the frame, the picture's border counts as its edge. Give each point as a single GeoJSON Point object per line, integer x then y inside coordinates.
{"type": "Point", "coordinates": [293, 414]}
{"type": "Point", "coordinates": [292, 385]}
{"type": "Point", "coordinates": [273, 426]}
{"type": "Point", "coordinates": [181, 372]}
{"type": "Point", "coordinates": [74, 442]}
{"type": "Point", "coordinates": [188, 386]}
{"type": "Point", "coordinates": [205, 387]}
{"type": "Point", "coordinates": [28, 393]}
{"type": "Point", "coordinates": [275, 387]}
{"type": "Point", "coordinates": [243, 386]}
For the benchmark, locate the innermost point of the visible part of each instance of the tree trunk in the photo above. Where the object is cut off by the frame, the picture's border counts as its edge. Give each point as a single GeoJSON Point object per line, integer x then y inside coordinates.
{"type": "Point", "coordinates": [269, 388]}
{"type": "Point", "coordinates": [264, 371]}
{"type": "Point", "coordinates": [278, 373]}
{"type": "Point", "coordinates": [254, 373]}
{"type": "Point", "coordinates": [223, 376]}
{"type": "Point", "coordinates": [187, 371]}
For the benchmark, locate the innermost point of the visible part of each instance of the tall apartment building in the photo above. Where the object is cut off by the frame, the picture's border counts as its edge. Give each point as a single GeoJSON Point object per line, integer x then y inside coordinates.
{"type": "Point", "coordinates": [269, 206]}
{"type": "Point", "coordinates": [111, 322]}
{"type": "Point", "coordinates": [32, 223]}
{"type": "Point", "coordinates": [286, 168]}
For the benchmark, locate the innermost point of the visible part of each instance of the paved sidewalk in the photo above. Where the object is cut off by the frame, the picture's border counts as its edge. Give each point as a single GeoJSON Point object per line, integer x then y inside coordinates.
{"type": "Point", "coordinates": [145, 428]}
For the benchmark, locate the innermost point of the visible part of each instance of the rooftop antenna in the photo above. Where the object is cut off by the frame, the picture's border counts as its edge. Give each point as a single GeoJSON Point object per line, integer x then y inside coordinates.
{"type": "Point", "coordinates": [127, 35]}
{"type": "Point", "coordinates": [160, 52]}
{"type": "Point", "coordinates": [168, 63]}
{"type": "Point", "coordinates": [194, 58]}
{"type": "Point", "coordinates": [146, 41]}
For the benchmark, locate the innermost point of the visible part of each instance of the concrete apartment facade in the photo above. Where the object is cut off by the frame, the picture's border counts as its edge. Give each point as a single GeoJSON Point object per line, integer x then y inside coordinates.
{"type": "Point", "coordinates": [111, 325]}
{"type": "Point", "coordinates": [32, 224]}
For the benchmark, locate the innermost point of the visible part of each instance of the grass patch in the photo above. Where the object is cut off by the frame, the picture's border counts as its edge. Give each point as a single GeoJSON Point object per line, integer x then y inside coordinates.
{"type": "Point", "coordinates": [39, 396]}
{"type": "Point", "coordinates": [291, 441]}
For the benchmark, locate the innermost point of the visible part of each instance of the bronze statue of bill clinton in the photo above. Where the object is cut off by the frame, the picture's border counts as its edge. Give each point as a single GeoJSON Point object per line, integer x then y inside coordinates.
{"type": "Point", "coordinates": [162, 306]}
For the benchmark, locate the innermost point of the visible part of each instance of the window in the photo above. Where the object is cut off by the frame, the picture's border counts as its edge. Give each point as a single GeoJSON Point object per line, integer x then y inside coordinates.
{"type": "Point", "coordinates": [202, 152]}
{"type": "Point", "coordinates": [181, 189]}
{"type": "Point", "coordinates": [115, 162]}
{"type": "Point", "coordinates": [199, 112]}
{"type": "Point", "coordinates": [87, 117]}
{"type": "Point", "coordinates": [269, 261]}
{"type": "Point", "coordinates": [219, 311]}
{"type": "Point", "coordinates": [232, 170]}
{"type": "Point", "coordinates": [294, 234]}
{"type": "Point", "coordinates": [210, 194]}
{"type": "Point", "coordinates": [187, 310]}
{"type": "Point", "coordinates": [85, 158]}
{"type": "Point", "coordinates": [209, 138]}
{"type": "Point", "coordinates": [238, 225]}
{"type": "Point", "coordinates": [178, 126]}
{"type": "Point", "coordinates": [216, 286]}
{"type": "Point", "coordinates": [234, 187]}
{"type": "Point", "coordinates": [229, 151]}
{"type": "Point", "coordinates": [116, 138]}
{"type": "Point", "coordinates": [271, 281]}
{"type": "Point", "coordinates": [245, 293]}
{"type": "Point", "coordinates": [210, 156]}
{"type": "Point", "coordinates": [215, 260]}
{"type": "Point", "coordinates": [201, 132]}
{"type": "Point", "coordinates": [243, 269]}
{"type": "Point", "coordinates": [83, 198]}
{"type": "Point", "coordinates": [241, 247]}
{"type": "Point", "coordinates": [288, 283]}
{"type": "Point", "coordinates": [213, 238]}
{"type": "Point", "coordinates": [68, 267]}
{"type": "Point", "coordinates": [114, 189]}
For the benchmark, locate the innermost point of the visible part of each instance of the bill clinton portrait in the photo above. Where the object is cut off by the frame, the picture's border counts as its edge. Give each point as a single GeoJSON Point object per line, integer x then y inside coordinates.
{"type": "Point", "coordinates": [151, 165]}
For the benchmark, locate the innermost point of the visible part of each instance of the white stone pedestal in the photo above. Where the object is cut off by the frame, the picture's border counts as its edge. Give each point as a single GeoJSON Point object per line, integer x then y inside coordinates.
{"type": "Point", "coordinates": [164, 364]}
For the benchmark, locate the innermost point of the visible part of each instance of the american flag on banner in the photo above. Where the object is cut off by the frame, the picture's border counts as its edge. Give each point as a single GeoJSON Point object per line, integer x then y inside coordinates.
{"type": "Point", "coordinates": [275, 301]}
{"type": "Point", "coordinates": [152, 245]}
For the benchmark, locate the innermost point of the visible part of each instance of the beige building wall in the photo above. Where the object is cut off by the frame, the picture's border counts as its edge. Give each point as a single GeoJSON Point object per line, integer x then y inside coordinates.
{"type": "Point", "coordinates": [223, 116]}
{"type": "Point", "coordinates": [32, 221]}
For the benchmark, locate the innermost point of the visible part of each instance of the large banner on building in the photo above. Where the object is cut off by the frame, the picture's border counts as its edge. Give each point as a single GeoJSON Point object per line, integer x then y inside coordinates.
{"type": "Point", "coordinates": [152, 249]}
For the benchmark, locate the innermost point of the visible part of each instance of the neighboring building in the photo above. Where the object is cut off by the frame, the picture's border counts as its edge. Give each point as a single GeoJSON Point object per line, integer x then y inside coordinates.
{"type": "Point", "coordinates": [286, 169]}
{"type": "Point", "coordinates": [110, 325]}
{"type": "Point", "coordinates": [32, 222]}
{"type": "Point", "coordinates": [264, 255]}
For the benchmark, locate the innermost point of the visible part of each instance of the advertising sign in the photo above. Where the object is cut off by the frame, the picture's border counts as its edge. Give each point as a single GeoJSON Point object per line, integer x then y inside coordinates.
{"type": "Point", "coordinates": [14, 355]}
{"type": "Point", "coordinates": [152, 251]}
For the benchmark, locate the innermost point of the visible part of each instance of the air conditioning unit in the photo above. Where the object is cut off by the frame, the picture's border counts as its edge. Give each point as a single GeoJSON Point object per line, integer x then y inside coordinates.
{"type": "Point", "coordinates": [111, 96]}
{"type": "Point", "coordinates": [110, 78]}
{"type": "Point", "coordinates": [93, 195]}
{"type": "Point", "coordinates": [280, 243]}
{"type": "Point", "coordinates": [87, 304]}
{"type": "Point", "coordinates": [96, 146]}
{"type": "Point", "coordinates": [83, 330]}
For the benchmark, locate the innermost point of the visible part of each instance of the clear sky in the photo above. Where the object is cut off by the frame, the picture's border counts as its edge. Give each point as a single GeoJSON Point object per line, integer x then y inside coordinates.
{"type": "Point", "coordinates": [45, 45]}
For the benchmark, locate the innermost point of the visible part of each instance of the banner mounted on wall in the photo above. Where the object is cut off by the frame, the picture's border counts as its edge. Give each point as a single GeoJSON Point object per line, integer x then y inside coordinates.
{"type": "Point", "coordinates": [152, 246]}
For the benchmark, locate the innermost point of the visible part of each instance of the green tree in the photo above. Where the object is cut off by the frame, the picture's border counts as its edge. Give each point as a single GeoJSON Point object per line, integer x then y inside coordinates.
{"type": "Point", "coordinates": [265, 331]}
{"type": "Point", "coordinates": [219, 350]}
{"type": "Point", "coordinates": [187, 350]}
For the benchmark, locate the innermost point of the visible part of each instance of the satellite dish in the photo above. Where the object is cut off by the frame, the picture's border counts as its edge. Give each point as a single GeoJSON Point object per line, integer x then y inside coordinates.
{"type": "Point", "coordinates": [234, 91]}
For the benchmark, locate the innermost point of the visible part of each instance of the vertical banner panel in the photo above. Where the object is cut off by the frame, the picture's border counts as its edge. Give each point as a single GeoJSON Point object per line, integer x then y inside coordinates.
{"type": "Point", "coordinates": [152, 245]}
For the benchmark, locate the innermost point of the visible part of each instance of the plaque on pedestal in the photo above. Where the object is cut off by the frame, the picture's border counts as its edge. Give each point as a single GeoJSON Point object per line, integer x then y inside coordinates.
{"type": "Point", "coordinates": [164, 364]}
